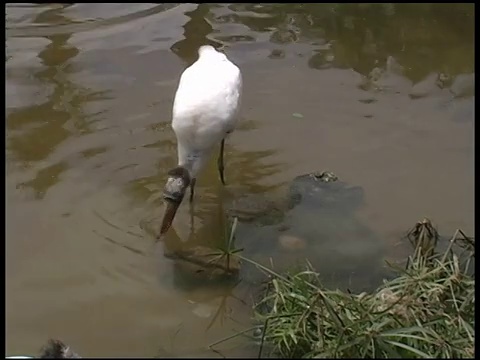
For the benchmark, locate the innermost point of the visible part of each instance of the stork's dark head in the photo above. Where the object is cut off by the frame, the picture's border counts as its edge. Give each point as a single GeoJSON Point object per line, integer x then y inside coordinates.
{"type": "Point", "coordinates": [173, 194]}
{"type": "Point", "coordinates": [177, 183]}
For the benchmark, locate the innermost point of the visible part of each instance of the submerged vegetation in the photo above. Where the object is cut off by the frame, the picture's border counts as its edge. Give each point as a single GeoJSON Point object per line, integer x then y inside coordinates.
{"type": "Point", "coordinates": [426, 311]}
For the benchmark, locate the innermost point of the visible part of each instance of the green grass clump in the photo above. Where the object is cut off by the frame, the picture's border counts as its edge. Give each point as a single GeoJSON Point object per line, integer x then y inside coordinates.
{"type": "Point", "coordinates": [427, 311]}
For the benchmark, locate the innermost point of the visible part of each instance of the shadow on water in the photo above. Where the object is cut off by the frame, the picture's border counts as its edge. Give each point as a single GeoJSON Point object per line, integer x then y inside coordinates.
{"type": "Point", "coordinates": [34, 132]}
{"type": "Point", "coordinates": [196, 33]}
{"type": "Point", "coordinates": [212, 199]}
{"type": "Point", "coordinates": [369, 38]}
{"type": "Point", "coordinates": [362, 36]}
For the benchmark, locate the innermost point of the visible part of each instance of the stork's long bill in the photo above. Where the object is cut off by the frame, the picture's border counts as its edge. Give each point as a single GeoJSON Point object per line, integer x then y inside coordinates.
{"type": "Point", "coordinates": [170, 212]}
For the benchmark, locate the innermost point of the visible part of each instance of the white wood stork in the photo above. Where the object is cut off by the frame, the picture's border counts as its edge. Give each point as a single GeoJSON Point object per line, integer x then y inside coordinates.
{"type": "Point", "coordinates": [205, 111]}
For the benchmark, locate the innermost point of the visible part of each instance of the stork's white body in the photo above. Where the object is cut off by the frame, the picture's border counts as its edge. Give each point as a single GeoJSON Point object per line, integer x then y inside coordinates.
{"type": "Point", "coordinates": [205, 108]}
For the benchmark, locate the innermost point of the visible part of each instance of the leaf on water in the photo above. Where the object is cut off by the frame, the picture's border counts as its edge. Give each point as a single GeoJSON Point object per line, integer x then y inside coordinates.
{"type": "Point", "coordinates": [297, 115]}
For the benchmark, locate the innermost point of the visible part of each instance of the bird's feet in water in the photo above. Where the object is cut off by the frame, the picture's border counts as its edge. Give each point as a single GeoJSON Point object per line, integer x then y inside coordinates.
{"type": "Point", "coordinates": [192, 189]}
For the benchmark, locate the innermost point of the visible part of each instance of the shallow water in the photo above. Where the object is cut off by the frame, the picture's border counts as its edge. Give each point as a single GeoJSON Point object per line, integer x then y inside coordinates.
{"type": "Point", "coordinates": [382, 95]}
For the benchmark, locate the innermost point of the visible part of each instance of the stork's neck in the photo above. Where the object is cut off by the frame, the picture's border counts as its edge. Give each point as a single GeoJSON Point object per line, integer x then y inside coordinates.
{"type": "Point", "coordinates": [192, 160]}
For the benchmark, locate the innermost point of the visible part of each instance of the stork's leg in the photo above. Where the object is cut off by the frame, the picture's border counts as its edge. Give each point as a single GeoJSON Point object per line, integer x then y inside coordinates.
{"type": "Point", "coordinates": [192, 217]}
{"type": "Point", "coordinates": [192, 210]}
{"type": "Point", "coordinates": [220, 162]}
{"type": "Point", "coordinates": [192, 189]}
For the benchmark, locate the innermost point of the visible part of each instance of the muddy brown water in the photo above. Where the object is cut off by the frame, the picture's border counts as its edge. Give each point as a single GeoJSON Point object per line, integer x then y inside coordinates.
{"type": "Point", "coordinates": [382, 95]}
